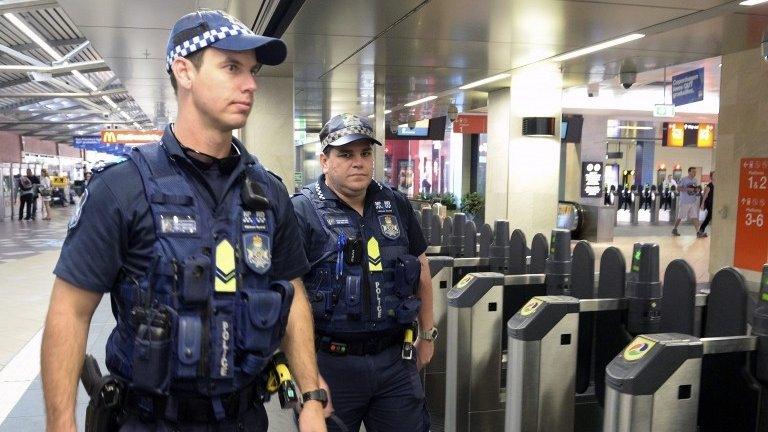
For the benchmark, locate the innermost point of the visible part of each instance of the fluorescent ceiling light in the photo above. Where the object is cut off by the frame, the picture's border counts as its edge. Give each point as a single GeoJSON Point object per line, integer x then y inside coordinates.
{"type": "Point", "coordinates": [421, 101]}
{"type": "Point", "coordinates": [21, 25]}
{"type": "Point", "coordinates": [485, 81]}
{"type": "Point", "coordinates": [752, 2]}
{"type": "Point", "coordinates": [636, 127]}
{"type": "Point", "coordinates": [109, 101]}
{"type": "Point", "coordinates": [598, 47]}
{"type": "Point", "coordinates": [86, 82]}
{"type": "Point", "coordinates": [372, 116]}
{"type": "Point", "coordinates": [387, 112]}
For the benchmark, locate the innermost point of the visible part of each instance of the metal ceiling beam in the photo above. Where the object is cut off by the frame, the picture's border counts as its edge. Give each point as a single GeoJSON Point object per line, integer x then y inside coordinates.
{"type": "Point", "coordinates": [26, 5]}
{"type": "Point", "coordinates": [81, 66]}
{"type": "Point", "coordinates": [54, 43]}
{"type": "Point", "coordinates": [33, 117]}
{"type": "Point", "coordinates": [52, 95]}
{"type": "Point", "coordinates": [89, 122]}
{"type": "Point", "coordinates": [106, 83]}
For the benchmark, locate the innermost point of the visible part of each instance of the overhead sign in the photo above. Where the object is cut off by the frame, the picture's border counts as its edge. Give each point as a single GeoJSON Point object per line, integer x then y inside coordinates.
{"type": "Point", "coordinates": [130, 136]}
{"type": "Point", "coordinates": [664, 110]}
{"type": "Point", "coordinates": [700, 135]}
{"type": "Point", "coordinates": [751, 249]}
{"type": "Point", "coordinates": [688, 87]}
{"type": "Point", "coordinates": [86, 141]}
{"type": "Point", "coordinates": [591, 179]}
{"type": "Point", "coordinates": [470, 124]}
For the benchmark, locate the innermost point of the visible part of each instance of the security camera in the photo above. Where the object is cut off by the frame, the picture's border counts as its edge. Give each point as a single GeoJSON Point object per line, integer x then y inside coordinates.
{"type": "Point", "coordinates": [593, 89]}
{"type": "Point", "coordinates": [411, 124]}
{"type": "Point", "coordinates": [453, 112]}
{"type": "Point", "coordinates": [627, 79]}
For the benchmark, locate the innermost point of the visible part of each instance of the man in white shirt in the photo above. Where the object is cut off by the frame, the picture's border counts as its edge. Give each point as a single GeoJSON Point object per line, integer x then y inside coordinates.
{"type": "Point", "coordinates": [688, 202]}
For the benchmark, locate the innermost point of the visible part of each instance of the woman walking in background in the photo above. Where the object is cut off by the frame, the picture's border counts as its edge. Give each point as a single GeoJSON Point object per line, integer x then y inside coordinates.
{"type": "Point", "coordinates": [706, 203]}
{"type": "Point", "coordinates": [45, 193]}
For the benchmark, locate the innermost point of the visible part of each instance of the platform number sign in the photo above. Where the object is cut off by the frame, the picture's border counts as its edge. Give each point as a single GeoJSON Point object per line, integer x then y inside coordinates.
{"type": "Point", "coordinates": [751, 248]}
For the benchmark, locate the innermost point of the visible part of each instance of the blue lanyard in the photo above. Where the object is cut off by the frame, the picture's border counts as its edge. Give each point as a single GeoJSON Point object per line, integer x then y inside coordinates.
{"type": "Point", "coordinates": [342, 241]}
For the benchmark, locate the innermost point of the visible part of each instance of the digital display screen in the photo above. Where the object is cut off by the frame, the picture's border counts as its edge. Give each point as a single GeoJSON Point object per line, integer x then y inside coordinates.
{"type": "Point", "coordinates": [420, 131]}
{"type": "Point", "coordinates": [700, 135]}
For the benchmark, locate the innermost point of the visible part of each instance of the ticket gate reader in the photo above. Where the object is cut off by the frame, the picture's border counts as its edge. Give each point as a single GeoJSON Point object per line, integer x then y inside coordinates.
{"type": "Point", "coordinates": [676, 382]}
{"type": "Point", "coordinates": [444, 271]}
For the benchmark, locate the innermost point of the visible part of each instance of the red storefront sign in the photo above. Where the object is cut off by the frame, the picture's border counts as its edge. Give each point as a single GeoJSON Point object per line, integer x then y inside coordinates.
{"type": "Point", "coordinates": [751, 249]}
{"type": "Point", "coordinates": [470, 124]}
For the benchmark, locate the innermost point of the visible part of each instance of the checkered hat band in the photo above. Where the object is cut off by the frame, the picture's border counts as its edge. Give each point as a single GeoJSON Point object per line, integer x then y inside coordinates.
{"type": "Point", "coordinates": [362, 130]}
{"type": "Point", "coordinates": [199, 42]}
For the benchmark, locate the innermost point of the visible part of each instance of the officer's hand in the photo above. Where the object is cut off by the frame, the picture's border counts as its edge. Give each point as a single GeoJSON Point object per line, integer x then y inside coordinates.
{"type": "Point", "coordinates": [424, 352]}
{"type": "Point", "coordinates": [311, 418]}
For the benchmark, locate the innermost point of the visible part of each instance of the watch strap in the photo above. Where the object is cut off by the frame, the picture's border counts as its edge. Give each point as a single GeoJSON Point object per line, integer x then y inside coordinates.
{"type": "Point", "coordinates": [319, 395]}
{"type": "Point", "coordinates": [428, 334]}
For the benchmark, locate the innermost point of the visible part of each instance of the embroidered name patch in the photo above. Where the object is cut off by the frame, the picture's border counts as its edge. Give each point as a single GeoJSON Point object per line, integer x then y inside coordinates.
{"type": "Point", "coordinates": [177, 224]}
{"type": "Point", "coordinates": [254, 220]}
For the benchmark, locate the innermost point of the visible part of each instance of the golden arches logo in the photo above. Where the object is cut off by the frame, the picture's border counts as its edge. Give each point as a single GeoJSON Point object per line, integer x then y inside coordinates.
{"type": "Point", "coordinates": [108, 137]}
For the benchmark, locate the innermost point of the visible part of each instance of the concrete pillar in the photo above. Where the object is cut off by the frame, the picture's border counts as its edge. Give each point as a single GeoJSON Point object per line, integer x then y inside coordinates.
{"type": "Point", "coordinates": [523, 186]}
{"type": "Point", "coordinates": [269, 132]}
{"type": "Point", "coordinates": [741, 133]}
{"type": "Point", "coordinates": [380, 127]}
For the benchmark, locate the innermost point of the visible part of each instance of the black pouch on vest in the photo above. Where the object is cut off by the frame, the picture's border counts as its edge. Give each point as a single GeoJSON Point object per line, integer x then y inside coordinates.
{"type": "Point", "coordinates": [259, 314]}
{"type": "Point", "coordinates": [195, 280]}
{"type": "Point", "coordinates": [407, 311]}
{"type": "Point", "coordinates": [353, 251]}
{"type": "Point", "coordinates": [407, 272]}
{"type": "Point", "coordinates": [352, 297]}
{"type": "Point", "coordinates": [151, 357]}
{"type": "Point", "coordinates": [188, 347]}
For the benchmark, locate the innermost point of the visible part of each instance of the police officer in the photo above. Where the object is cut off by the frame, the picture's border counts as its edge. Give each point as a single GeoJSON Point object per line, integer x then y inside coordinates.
{"type": "Point", "coordinates": [369, 282]}
{"type": "Point", "coordinates": [198, 246]}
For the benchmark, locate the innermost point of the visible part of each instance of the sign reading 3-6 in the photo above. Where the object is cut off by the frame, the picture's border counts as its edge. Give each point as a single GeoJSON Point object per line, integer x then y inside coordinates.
{"type": "Point", "coordinates": [751, 250]}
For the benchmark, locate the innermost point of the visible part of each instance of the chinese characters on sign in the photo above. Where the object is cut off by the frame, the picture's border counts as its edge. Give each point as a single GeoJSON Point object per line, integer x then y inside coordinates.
{"type": "Point", "coordinates": [751, 250]}
{"type": "Point", "coordinates": [591, 179]}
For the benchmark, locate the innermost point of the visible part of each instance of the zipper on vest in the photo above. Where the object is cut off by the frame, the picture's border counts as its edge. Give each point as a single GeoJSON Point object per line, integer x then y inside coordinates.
{"type": "Point", "coordinates": [366, 280]}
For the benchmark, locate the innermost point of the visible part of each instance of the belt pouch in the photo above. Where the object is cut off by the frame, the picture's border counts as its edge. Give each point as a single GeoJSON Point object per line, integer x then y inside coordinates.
{"type": "Point", "coordinates": [407, 311]}
{"type": "Point", "coordinates": [195, 280]}
{"type": "Point", "coordinates": [151, 359]}
{"type": "Point", "coordinates": [189, 345]}
{"type": "Point", "coordinates": [352, 296]}
{"type": "Point", "coordinates": [258, 318]}
{"type": "Point", "coordinates": [407, 272]}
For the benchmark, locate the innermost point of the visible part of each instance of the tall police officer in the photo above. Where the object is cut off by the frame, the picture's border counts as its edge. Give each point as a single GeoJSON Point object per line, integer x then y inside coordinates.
{"type": "Point", "coordinates": [369, 282]}
{"type": "Point", "coordinates": [196, 242]}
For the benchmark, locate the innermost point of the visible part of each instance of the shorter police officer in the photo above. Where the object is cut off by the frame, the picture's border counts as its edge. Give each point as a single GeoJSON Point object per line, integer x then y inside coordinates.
{"type": "Point", "coordinates": [369, 283]}
{"type": "Point", "coordinates": [197, 244]}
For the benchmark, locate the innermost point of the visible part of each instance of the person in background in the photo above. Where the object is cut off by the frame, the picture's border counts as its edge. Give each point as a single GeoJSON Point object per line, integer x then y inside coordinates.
{"type": "Point", "coordinates": [35, 193]}
{"type": "Point", "coordinates": [706, 204]}
{"type": "Point", "coordinates": [26, 192]}
{"type": "Point", "coordinates": [689, 202]}
{"type": "Point", "coordinates": [45, 192]}
{"type": "Point", "coordinates": [669, 182]}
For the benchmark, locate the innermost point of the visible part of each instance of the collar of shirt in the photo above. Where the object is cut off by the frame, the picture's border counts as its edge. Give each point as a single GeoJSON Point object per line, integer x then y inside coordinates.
{"type": "Point", "coordinates": [326, 193]}
{"type": "Point", "coordinates": [174, 149]}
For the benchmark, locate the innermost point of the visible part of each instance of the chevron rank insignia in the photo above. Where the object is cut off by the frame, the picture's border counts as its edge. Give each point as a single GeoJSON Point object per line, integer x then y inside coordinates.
{"type": "Point", "coordinates": [226, 280]}
{"type": "Point", "coordinates": [374, 256]}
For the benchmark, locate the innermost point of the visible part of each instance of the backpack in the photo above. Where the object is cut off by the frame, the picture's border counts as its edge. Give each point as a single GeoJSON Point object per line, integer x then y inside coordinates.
{"type": "Point", "coordinates": [25, 183]}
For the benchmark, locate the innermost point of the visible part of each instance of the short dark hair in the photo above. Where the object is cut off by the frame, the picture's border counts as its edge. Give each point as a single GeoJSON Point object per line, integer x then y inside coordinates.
{"type": "Point", "coordinates": [691, 169]}
{"type": "Point", "coordinates": [197, 60]}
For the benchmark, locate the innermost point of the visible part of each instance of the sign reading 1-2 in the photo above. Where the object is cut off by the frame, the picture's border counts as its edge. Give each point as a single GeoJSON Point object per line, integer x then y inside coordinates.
{"type": "Point", "coordinates": [751, 250]}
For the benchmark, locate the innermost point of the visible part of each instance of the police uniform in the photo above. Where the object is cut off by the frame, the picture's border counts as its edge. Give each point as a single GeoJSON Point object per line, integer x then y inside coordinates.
{"type": "Point", "coordinates": [363, 289]}
{"type": "Point", "coordinates": [183, 250]}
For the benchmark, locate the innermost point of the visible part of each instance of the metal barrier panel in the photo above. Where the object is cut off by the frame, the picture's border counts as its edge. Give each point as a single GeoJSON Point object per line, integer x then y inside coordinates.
{"type": "Point", "coordinates": [447, 232]}
{"type": "Point", "coordinates": [485, 240]}
{"type": "Point", "coordinates": [732, 406]}
{"type": "Point", "coordinates": [583, 287]}
{"type": "Point", "coordinates": [678, 305]}
{"type": "Point", "coordinates": [469, 246]}
{"type": "Point", "coordinates": [608, 341]}
{"type": "Point", "coordinates": [434, 372]}
{"type": "Point", "coordinates": [539, 253]}
{"type": "Point", "coordinates": [517, 253]}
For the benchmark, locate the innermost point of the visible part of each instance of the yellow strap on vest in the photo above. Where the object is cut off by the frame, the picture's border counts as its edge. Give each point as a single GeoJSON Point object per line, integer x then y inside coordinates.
{"type": "Point", "coordinates": [374, 256]}
{"type": "Point", "coordinates": [226, 280]}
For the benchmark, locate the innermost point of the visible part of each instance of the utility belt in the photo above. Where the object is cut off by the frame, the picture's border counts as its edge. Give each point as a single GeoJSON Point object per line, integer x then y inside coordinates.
{"type": "Point", "coordinates": [371, 346]}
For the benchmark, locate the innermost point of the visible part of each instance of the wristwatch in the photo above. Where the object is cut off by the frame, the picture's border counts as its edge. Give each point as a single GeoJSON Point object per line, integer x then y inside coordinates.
{"type": "Point", "coordinates": [319, 395]}
{"type": "Point", "coordinates": [429, 335]}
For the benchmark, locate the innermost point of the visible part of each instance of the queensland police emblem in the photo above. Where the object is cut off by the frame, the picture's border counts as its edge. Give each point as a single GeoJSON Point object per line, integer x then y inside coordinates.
{"type": "Point", "coordinates": [389, 226]}
{"type": "Point", "coordinates": [257, 252]}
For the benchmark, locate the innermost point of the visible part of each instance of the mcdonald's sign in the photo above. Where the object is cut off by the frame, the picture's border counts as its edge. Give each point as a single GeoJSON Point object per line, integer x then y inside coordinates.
{"type": "Point", "coordinates": [130, 136]}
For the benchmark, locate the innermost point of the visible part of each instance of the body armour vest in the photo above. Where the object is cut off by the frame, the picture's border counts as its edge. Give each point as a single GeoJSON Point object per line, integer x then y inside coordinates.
{"type": "Point", "coordinates": [365, 281]}
{"type": "Point", "coordinates": [205, 318]}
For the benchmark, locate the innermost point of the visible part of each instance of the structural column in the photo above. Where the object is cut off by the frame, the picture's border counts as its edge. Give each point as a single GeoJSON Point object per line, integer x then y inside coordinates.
{"type": "Point", "coordinates": [741, 133]}
{"type": "Point", "coordinates": [380, 126]}
{"type": "Point", "coordinates": [269, 132]}
{"type": "Point", "coordinates": [522, 185]}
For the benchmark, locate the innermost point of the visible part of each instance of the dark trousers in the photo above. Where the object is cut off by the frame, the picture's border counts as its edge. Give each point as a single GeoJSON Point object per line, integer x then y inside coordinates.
{"type": "Point", "coordinates": [25, 200]}
{"type": "Point", "coordinates": [254, 419]}
{"type": "Point", "coordinates": [34, 206]}
{"type": "Point", "coordinates": [707, 220]}
{"type": "Point", "coordinates": [383, 391]}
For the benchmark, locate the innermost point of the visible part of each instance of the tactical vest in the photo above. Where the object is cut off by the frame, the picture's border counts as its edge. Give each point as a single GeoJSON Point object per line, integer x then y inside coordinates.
{"type": "Point", "coordinates": [207, 287]}
{"type": "Point", "coordinates": [365, 280]}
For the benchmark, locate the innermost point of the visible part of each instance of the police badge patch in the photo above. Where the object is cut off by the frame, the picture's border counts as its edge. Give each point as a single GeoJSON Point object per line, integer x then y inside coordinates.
{"type": "Point", "coordinates": [257, 252]}
{"type": "Point", "coordinates": [389, 226]}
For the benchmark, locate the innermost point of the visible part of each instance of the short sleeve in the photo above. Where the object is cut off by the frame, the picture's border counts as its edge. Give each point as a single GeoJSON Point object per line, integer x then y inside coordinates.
{"type": "Point", "coordinates": [91, 255]}
{"type": "Point", "coordinates": [289, 261]}
{"type": "Point", "coordinates": [417, 244]}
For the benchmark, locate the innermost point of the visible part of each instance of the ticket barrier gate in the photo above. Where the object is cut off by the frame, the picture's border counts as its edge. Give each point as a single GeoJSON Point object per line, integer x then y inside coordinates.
{"type": "Point", "coordinates": [444, 270]}
{"type": "Point", "coordinates": [478, 306]}
{"type": "Point", "coordinates": [678, 382]}
{"type": "Point", "coordinates": [550, 339]}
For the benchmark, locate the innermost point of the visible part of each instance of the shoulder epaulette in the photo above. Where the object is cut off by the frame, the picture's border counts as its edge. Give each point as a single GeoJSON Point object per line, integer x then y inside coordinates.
{"type": "Point", "coordinates": [100, 167]}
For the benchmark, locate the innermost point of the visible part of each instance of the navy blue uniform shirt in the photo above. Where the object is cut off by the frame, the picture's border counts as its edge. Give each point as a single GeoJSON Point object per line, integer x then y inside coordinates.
{"type": "Point", "coordinates": [314, 234]}
{"type": "Point", "coordinates": [113, 228]}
